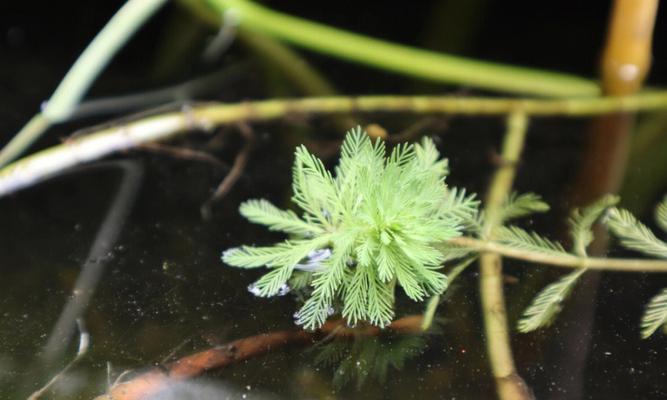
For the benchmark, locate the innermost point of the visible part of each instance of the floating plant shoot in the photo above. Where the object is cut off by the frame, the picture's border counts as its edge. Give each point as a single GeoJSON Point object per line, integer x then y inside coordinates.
{"type": "Point", "coordinates": [370, 227]}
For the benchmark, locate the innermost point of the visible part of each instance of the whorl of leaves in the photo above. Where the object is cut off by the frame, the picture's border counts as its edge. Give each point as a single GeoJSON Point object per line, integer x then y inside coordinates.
{"type": "Point", "coordinates": [382, 218]}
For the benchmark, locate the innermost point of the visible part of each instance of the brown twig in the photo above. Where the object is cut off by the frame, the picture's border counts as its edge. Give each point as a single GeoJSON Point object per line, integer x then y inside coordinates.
{"type": "Point", "coordinates": [240, 162]}
{"type": "Point", "coordinates": [182, 153]}
{"type": "Point", "coordinates": [416, 129]}
{"type": "Point", "coordinates": [158, 379]}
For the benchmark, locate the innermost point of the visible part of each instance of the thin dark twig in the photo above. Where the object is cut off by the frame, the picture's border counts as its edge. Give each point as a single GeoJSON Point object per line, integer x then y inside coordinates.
{"type": "Point", "coordinates": [234, 174]}
{"type": "Point", "coordinates": [416, 129]}
{"type": "Point", "coordinates": [183, 153]}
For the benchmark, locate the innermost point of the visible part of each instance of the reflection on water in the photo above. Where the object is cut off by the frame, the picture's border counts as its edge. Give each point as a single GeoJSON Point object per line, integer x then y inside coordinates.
{"type": "Point", "coordinates": [205, 389]}
{"type": "Point", "coordinates": [96, 261]}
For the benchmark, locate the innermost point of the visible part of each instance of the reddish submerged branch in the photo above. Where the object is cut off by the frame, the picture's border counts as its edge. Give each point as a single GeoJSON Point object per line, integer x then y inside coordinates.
{"type": "Point", "coordinates": [156, 379]}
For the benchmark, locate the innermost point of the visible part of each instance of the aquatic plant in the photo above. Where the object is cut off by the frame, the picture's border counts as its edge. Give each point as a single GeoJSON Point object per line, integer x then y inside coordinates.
{"type": "Point", "coordinates": [383, 222]}
{"type": "Point", "coordinates": [367, 359]}
{"type": "Point", "coordinates": [630, 233]}
{"type": "Point", "coordinates": [373, 226]}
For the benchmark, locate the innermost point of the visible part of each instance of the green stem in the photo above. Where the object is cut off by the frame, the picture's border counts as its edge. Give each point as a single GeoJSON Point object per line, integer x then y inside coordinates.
{"type": "Point", "coordinates": [129, 134]}
{"type": "Point", "coordinates": [271, 109]}
{"type": "Point", "coordinates": [97, 55]}
{"type": "Point", "coordinates": [30, 132]}
{"type": "Point", "coordinates": [565, 261]}
{"type": "Point", "coordinates": [82, 74]}
{"type": "Point", "coordinates": [404, 59]}
{"type": "Point", "coordinates": [509, 384]}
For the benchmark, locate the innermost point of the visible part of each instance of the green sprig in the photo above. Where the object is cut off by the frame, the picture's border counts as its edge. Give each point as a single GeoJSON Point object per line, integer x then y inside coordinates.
{"type": "Point", "coordinates": [374, 226]}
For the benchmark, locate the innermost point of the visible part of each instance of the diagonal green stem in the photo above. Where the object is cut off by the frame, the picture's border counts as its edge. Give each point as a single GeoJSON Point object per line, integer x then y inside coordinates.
{"type": "Point", "coordinates": [82, 74]}
{"type": "Point", "coordinates": [402, 59]}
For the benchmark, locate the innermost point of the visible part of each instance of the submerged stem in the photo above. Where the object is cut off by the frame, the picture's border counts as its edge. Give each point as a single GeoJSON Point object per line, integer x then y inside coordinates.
{"type": "Point", "coordinates": [82, 74]}
{"type": "Point", "coordinates": [509, 385]}
{"type": "Point", "coordinates": [403, 59]}
{"type": "Point", "coordinates": [566, 261]}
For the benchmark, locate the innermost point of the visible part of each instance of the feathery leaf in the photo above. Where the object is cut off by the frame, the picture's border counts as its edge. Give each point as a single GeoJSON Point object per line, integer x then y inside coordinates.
{"type": "Point", "coordinates": [456, 204]}
{"type": "Point", "coordinates": [544, 308]}
{"type": "Point", "coordinates": [520, 205]}
{"type": "Point", "coordinates": [633, 234]}
{"type": "Point", "coordinates": [655, 315]}
{"type": "Point", "coordinates": [661, 214]}
{"type": "Point", "coordinates": [518, 238]}
{"type": "Point", "coordinates": [287, 253]}
{"type": "Point", "coordinates": [581, 222]}
{"type": "Point", "coordinates": [261, 211]}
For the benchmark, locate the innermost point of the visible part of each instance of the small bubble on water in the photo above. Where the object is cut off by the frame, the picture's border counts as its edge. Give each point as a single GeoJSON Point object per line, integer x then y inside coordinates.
{"type": "Point", "coordinates": [252, 288]}
{"type": "Point", "coordinates": [283, 289]}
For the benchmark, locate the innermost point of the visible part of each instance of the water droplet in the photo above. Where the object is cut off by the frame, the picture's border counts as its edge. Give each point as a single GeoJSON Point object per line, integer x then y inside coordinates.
{"type": "Point", "coordinates": [283, 289]}
{"type": "Point", "coordinates": [252, 288]}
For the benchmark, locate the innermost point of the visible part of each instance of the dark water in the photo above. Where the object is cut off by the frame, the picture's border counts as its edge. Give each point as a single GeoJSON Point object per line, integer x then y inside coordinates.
{"type": "Point", "coordinates": [132, 225]}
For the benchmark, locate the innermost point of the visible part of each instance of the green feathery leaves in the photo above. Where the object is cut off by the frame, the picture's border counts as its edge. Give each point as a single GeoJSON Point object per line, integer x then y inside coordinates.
{"type": "Point", "coordinates": [547, 304]}
{"type": "Point", "coordinates": [581, 223]}
{"type": "Point", "coordinates": [284, 254]}
{"type": "Point", "coordinates": [375, 225]}
{"type": "Point", "coordinates": [521, 205]}
{"type": "Point", "coordinates": [521, 239]}
{"type": "Point", "coordinates": [661, 214]}
{"type": "Point", "coordinates": [544, 308]}
{"type": "Point", "coordinates": [633, 234]}
{"type": "Point", "coordinates": [265, 213]}
{"type": "Point", "coordinates": [461, 206]}
{"type": "Point", "coordinates": [367, 357]}
{"type": "Point", "coordinates": [655, 315]}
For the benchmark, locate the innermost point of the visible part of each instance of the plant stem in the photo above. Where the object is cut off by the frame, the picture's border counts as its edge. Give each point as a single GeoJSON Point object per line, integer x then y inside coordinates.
{"type": "Point", "coordinates": [97, 55]}
{"type": "Point", "coordinates": [80, 77]}
{"type": "Point", "coordinates": [127, 135]}
{"type": "Point", "coordinates": [404, 59]}
{"type": "Point", "coordinates": [566, 261]}
{"type": "Point", "coordinates": [30, 132]}
{"type": "Point", "coordinates": [478, 106]}
{"type": "Point", "coordinates": [509, 385]}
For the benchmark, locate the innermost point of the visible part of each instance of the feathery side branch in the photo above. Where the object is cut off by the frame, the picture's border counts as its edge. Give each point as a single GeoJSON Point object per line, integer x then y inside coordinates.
{"type": "Point", "coordinates": [127, 135]}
